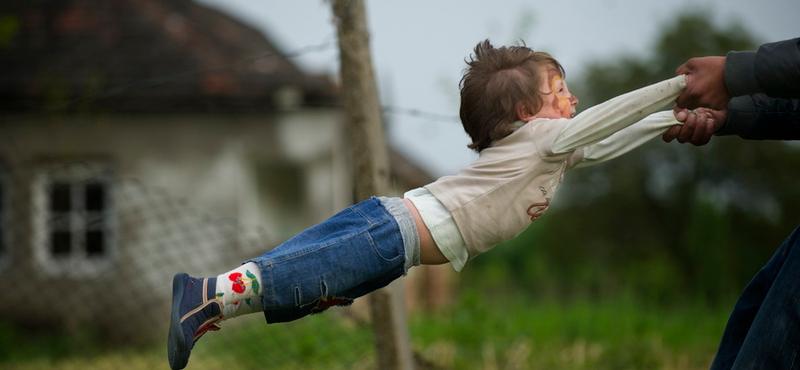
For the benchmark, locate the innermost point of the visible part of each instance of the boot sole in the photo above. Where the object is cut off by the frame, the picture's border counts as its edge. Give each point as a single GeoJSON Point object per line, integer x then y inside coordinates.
{"type": "Point", "coordinates": [176, 342]}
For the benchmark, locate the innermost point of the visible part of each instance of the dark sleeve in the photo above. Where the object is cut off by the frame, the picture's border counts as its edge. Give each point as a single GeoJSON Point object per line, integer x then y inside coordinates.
{"type": "Point", "coordinates": [759, 117]}
{"type": "Point", "coordinates": [778, 68]}
{"type": "Point", "coordinates": [774, 70]}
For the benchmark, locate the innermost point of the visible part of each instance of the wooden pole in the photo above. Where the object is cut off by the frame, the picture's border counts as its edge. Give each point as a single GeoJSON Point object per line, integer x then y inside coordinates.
{"type": "Point", "coordinates": [371, 167]}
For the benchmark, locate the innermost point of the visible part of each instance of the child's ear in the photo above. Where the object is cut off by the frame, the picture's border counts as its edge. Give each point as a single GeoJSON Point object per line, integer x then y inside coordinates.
{"type": "Point", "coordinates": [524, 112]}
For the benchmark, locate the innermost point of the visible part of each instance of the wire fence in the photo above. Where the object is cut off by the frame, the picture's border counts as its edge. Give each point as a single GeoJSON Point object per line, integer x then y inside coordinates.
{"type": "Point", "coordinates": [87, 261]}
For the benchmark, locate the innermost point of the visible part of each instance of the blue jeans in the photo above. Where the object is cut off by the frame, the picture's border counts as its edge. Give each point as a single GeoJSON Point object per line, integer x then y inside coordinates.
{"type": "Point", "coordinates": [357, 251]}
{"type": "Point", "coordinates": [763, 331]}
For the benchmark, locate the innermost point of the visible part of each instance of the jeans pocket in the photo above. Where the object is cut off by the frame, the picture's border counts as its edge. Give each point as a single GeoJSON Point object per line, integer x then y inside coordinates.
{"type": "Point", "coordinates": [387, 242]}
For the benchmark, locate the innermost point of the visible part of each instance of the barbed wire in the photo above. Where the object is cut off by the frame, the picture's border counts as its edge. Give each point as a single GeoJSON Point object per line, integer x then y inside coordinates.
{"type": "Point", "coordinates": [421, 114]}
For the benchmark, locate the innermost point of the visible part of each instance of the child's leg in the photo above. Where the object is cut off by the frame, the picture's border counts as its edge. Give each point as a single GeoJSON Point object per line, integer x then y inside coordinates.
{"type": "Point", "coordinates": [195, 311]}
{"type": "Point", "coordinates": [198, 305]}
{"type": "Point", "coordinates": [361, 249]}
{"type": "Point", "coordinates": [355, 252]}
{"type": "Point", "coordinates": [240, 291]}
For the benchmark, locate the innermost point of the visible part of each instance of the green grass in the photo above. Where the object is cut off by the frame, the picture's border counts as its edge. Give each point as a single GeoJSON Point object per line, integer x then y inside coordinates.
{"type": "Point", "coordinates": [508, 333]}
{"type": "Point", "coordinates": [521, 333]}
{"type": "Point", "coordinates": [327, 341]}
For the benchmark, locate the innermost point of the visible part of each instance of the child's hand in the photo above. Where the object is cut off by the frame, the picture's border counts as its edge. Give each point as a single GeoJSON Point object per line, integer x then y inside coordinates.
{"type": "Point", "coordinates": [698, 125]}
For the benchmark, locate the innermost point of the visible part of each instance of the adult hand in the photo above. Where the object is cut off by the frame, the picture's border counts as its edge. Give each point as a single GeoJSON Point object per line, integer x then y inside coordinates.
{"type": "Point", "coordinates": [698, 126]}
{"type": "Point", "coordinates": [705, 83]}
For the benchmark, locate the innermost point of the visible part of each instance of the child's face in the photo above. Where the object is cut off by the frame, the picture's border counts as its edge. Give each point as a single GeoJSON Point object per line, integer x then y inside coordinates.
{"type": "Point", "coordinates": [558, 103]}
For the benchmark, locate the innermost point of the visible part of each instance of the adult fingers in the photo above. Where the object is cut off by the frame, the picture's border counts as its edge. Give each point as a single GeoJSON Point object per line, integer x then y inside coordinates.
{"type": "Point", "coordinates": [679, 113]}
{"type": "Point", "coordinates": [671, 133]}
{"type": "Point", "coordinates": [683, 69]}
{"type": "Point", "coordinates": [710, 129]}
{"type": "Point", "coordinates": [689, 126]}
{"type": "Point", "coordinates": [688, 98]}
{"type": "Point", "coordinates": [699, 133]}
{"type": "Point", "coordinates": [720, 117]}
{"type": "Point", "coordinates": [674, 131]}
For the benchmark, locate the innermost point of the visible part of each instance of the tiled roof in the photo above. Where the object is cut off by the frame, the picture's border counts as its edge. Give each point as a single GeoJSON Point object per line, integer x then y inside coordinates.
{"type": "Point", "coordinates": [142, 55]}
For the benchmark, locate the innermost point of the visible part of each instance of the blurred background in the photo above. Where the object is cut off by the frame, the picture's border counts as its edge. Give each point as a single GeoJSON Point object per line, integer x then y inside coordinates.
{"type": "Point", "coordinates": [143, 138]}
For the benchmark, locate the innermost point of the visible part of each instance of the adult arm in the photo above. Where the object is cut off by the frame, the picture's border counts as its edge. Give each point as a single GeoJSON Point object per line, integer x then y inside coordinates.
{"type": "Point", "coordinates": [765, 86]}
{"type": "Point", "coordinates": [773, 70]}
{"type": "Point", "coordinates": [759, 117]}
{"type": "Point", "coordinates": [711, 81]}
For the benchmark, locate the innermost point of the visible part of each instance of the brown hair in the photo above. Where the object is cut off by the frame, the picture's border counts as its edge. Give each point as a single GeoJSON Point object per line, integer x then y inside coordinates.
{"type": "Point", "coordinates": [495, 82]}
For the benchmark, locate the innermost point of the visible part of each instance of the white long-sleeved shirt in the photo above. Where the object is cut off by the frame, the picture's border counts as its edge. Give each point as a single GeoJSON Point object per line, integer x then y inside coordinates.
{"type": "Point", "coordinates": [598, 134]}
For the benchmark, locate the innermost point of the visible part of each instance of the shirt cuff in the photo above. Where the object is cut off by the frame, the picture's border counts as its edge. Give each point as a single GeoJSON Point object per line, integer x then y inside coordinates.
{"type": "Point", "coordinates": [740, 73]}
{"type": "Point", "coordinates": [742, 115]}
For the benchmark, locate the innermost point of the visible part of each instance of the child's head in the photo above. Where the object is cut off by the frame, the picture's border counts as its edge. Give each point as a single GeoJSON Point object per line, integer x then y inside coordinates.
{"type": "Point", "coordinates": [502, 85]}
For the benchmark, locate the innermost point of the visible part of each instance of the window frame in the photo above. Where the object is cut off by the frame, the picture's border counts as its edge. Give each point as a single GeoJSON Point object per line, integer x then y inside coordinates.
{"type": "Point", "coordinates": [76, 222]}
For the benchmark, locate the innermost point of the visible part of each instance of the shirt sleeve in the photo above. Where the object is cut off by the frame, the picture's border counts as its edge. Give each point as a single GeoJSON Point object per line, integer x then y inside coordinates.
{"type": "Point", "coordinates": [774, 70]}
{"type": "Point", "coordinates": [628, 138]}
{"type": "Point", "coordinates": [603, 120]}
{"type": "Point", "coordinates": [760, 117]}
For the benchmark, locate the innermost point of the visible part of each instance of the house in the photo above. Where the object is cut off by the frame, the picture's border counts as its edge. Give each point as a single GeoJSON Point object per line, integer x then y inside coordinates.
{"type": "Point", "coordinates": [140, 138]}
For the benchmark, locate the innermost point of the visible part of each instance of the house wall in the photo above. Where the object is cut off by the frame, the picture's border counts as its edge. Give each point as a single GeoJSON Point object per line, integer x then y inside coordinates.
{"type": "Point", "coordinates": [191, 192]}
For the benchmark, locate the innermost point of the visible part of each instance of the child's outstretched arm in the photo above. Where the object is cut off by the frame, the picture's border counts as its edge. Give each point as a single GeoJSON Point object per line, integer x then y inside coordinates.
{"type": "Point", "coordinates": [637, 134]}
{"type": "Point", "coordinates": [603, 120]}
{"type": "Point", "coordinates": [629, 138]}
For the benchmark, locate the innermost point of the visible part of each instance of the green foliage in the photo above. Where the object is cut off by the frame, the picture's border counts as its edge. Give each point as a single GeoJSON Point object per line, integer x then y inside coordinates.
{"type": "Point", "coordinates": [22, 344]}
{"type": "Point", "coordinates": [315, 342]}
{"type": "Point", "coordinates": [10, 26]}
{"type": "Point", "coordinates": [525, 332]}
{"type": "Point", "coordinates": [693, 35]}
{"type": "Point", "coordinates": [329, 341]}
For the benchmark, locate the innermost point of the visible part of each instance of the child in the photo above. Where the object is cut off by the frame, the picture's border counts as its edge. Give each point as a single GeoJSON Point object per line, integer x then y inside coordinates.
{"type": "Point", "coordinates": [520, 115]}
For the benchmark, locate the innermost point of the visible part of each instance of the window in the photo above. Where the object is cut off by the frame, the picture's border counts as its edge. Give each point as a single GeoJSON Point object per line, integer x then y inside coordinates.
{"type": "Point", "coordinates": [74, 219]}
